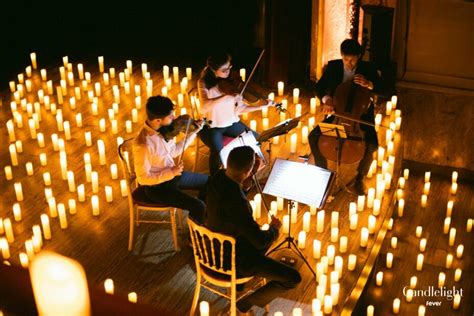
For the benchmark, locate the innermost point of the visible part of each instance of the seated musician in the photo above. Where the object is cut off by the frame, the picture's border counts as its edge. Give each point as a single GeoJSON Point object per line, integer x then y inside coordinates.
{"type": "Point", "coordinates": [229, 212]}
{"type": "Point", "coordinates": [221, 107]}
{"type": "Point", "coordinates": [155, 166]}
{"type": "Point", "coordinates": [363, 74]}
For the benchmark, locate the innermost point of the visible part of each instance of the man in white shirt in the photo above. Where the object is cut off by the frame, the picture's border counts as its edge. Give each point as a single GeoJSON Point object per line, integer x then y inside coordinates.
{"type": "Point", "coordinates": [156, 168]}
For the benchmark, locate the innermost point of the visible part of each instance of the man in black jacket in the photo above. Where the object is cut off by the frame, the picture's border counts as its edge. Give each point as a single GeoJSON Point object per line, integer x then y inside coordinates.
{"type": "Point", "coordinates": [339, 71]}
{"type": "Point", "coordinates": [229, 212]}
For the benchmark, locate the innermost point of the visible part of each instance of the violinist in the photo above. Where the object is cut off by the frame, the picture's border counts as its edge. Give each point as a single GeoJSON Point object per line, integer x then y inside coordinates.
{"type": "Point", "coordinates": [362, 74]}
{"type": "Point", "coordinates": [222, 106]}
{"type": "Point", "coordinates": [155, 168]}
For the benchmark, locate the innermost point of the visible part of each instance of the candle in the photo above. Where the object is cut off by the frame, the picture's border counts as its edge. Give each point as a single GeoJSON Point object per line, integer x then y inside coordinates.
{"type": "Point", "coordinates": [101, 63]}
{"type": "Point", "coordinates": [401, 206]}
{"type": "Point", "coordinates": [37, 234]}
{"type": "Point", "coordinates": [286, 223]}
{"type": "Point", "coordinates": [469, 225]}
{"type": "Point", "coordinates": [327, 304]}
{"type": "Point", "coordinates": [81, 196]}
{"type": "Point", "coordinates": [370, 197]}
{"type": "Point", "coordinates": [330, 253]}
{"type": "Point", "coordinates": [294, 213]}
{"type": "Point", "coordinates": [298, 109]}
{"type": "Point", "coordinates": [43, 159]}
{"type": "Point", "coordinates": [95, 205]}
{"type": "Point", "coordinates": [441, 279]}
{"type": "Point", "coordinates": [343, 244]}
{"type": "Point", "coordinates": [396, 306]}
{"type": "Point", "coordinates": [424, 199]}
{"type": "Point", "coordinates": [422, 245]}
{"type": "Point", "coordinates": [449, 208]}
{"type": "Point", "coordinates": [454, 188]}
{"type": "Point", "coordinates": [454, 177]}
{"type": "Point", "coordinates": [406, 173]}
{"type": "Point", "coordinates": [376, 209]}
{"type": "Point", "coordinates": [388, 108]}
{"type": "Point", "coordinates": [72, 206]}
{"type": "Point", "coordinates": [457, 275]}
{"type": "Point", "coordinates": [123, 188]}
{"type": "Point", "coordinates": [45, 226]}
{"type": "Point", "coordinates": [70, 181]}
{"type": "Point", "coordinates": [456, 301]}
{"type": "Point", "coordinates": [372, 223]}
{"type": "Point", "coordinates": [296, 95]}
{"type": "Point", "coordinates": [413, 281]}
{"type": "Point", "coordinates": [13, 155]}
{"type": "Point", "coordinates": [306, 221]}
{"type": "Point", "coordinates": [418, 231]}
{"type": "Point", "coordinates": [459, 251]}
{"type": "Point", "coordinates": [304, 135]}
{"type": "Point", "coordinates": [334, 219]}
{"type": "Point", "coordinates": [426, 188]}
{"type": "Point", "coordinates": [352, 261]}
{"type": "Point", "coordinates": [335, 292]}
{"type": "Point", "coordinates": [108, 194]}
{"type": "Point", "coordinates": [95, 181]}
{"type": "Point", "coordinates": [409, 295]}
{"type": "Point", "coordinates": [24, 261]}
{"type": "Point", "coordinates": [320, 221]}
{"type": "Point", "coordinates": [379, 278]}
{"type": "Point", "coordinates": [302, 240]}
{"type": "Point", "coordinates": [7, 226]}
{"type": "Point", "coordinates": [394, 242]}
{"type": "Point", "coordinates": [419, 262]}
{"type": "Point", "coordinates": [380, 156]}
{"type": "Point", "coordinates": [364, 237]}
{"type": "Point", "coordinates": [452, 236]}
{"type": "Point", "coordinates": [5, 248]}
{"type": "Point", "coordinates": [33, 60]}
{"type": "Point", "coordinates": [353, 221]}
{"type": "Point", "coordinates": [18, 191]}
{"type": "Point", "coordinates": [62, 216]}
{"type": "Point", "coordinates": [281, 87]}
{"type": "Point", "coordinates": [11, 131]}
{"type": "Point", "coordinates": [449, 261]}
{"type": "Point", "coordinates": [204, 308]}
{"type": "Point", "coordinates": [398, 123]}
{"type": "Point", "coordinates": [390, 224]}
{"type": "Point", "coordinates": [30, 251]}
{"type": "Point", "coordinates": [8, 172]}
{"type": "Point", "coordinates": [109, 286]}
{"type": "Point", "coordinates": [52, 207]}
{"type": "Point", "coordinates": [389, 261]}
{"type": "Point", "coordinates": [17, 212]}
{"type": "Point", "coordinates": [360, 203]}
{"type": "Point", "coordinates": [59, 284]}
{"type": "Point", "coordinates": [102, 158]}
{"type": "Point", "coordinates": [316, 249]}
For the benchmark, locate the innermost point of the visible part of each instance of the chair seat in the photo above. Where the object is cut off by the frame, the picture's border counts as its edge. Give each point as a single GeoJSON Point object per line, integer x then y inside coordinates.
{"type": "Point", "coordinates": [139, 197]}
{"type": "Point", "coordinates": [227, 139]}
{"type": "Point", "coordinates": [221, 278]}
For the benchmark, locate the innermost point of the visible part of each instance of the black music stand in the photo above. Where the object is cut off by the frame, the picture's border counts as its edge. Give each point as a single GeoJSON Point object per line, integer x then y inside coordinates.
{"type": "Point", "coordinates": [300, 182]}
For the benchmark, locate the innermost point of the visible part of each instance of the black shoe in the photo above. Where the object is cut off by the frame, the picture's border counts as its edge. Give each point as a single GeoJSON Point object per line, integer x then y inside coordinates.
{"type": "Point", "coordinates": [359, 187]}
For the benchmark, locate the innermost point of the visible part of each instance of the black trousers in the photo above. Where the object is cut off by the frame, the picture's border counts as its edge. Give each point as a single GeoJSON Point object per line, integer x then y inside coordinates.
{"type": "Point", "coordinates": [170, 193]}
{"type": "Point", "coordinates": [371, 144]}
{"type": "Point", "coordinates": [280, 277]}
{"type": "Point", "coordinates": [213, 138]}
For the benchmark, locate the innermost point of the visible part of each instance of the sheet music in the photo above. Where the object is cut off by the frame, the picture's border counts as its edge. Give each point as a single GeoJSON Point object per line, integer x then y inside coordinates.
{"type": "Point", "coordinates": [298, 182]}
{"type": "Point", "coordinates": [244, 139]}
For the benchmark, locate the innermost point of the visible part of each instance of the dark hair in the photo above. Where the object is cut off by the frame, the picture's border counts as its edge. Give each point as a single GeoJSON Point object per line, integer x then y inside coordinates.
{"type": "Point", "coordinates": [158, 107]}
{"type": "Point", "coordinates": [241, 159]}
{"type": "Point", "coordinates": [213, 63]}
{"type": "Point", "coordinates": [351, 47]}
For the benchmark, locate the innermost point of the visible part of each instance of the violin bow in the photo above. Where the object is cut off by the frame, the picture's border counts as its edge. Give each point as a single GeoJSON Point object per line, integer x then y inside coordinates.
{"type": "Point", "coordinates": [252, 72]}
{"type": "Point", "coordinates": [184, 142]}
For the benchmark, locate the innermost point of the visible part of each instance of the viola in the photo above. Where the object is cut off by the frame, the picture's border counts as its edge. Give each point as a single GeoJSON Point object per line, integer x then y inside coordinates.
{"type": "Point", "coordinates": [233, 86]}
{"type": "Point", "coordinates": [179, 125]}
{"type": "Point", "coordinates": [257, 166]}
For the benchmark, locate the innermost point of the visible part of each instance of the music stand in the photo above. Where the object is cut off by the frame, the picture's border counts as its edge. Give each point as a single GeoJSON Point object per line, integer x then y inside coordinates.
{"type": "Point", "coordinates": [339, 132]}
{"type": "Point", "coordinates": [300, 182]}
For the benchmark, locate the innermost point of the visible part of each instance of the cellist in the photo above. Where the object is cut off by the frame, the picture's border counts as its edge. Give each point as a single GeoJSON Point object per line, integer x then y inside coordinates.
{"type": "Point", "coordinates": [362, 73]}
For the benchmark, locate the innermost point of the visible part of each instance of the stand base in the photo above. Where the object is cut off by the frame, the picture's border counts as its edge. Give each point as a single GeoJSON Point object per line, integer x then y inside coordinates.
{"type": "Point", "coordinates": [293, 247]}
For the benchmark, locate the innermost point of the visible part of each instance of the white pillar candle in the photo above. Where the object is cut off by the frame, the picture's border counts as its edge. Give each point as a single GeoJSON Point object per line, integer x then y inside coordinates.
{"type": "Point", "coordinates": [447, 224]}
{"type": "Point", "coordinates": [413, 281]}
{"type": "Point", "coordinates": [123, 188]}
{"type": "Point", "coordinates": [5, 248]}
{"type": "Point", "coordinates": [294, 213]}
{"type": "Point", "coordinates": [401, 206]}
{"type": "Point", "coordinates": [459, 251]}
{"type": "Point", "coordinates": [95, 181]}
{"type": "Point", "coordinates": [452, 236]}
{"type": "Point", "coordinates": [11, 131]}
{"type": "Point", "coordinates": [320, 221]}
{"type": "Point", "coordinates": [189, 73]}
{"type": "Point", "coordinates": [376, 209]}
{"type": "Point", "coordinates": [306, 221]}
{"type": "Point", "coordinates": [424, 199]}
{"type": "Point", "coordinates": [29, 168]}
{"type": "Point", "coordinates": [396, 306]}
{"type": "Point", "coordinates": [379, 278]}
{"type": "Point", "coordinates": [95, 205]}
{"type": "Point", "coordinates": [281, 88]}
{"type": "Point", "coordinates": [394, 242]}
{"type": "Point", "coordinates": [418, 231]}
{"type": "Point", "coordinates": [316, 249]}
{"type": "Point", "coordinates": [372, 221]}
{"type": "Point", "coordinates": [113, 171]}
{"type": "Point", "coordinates": [360, 203]}
{"type": "Point", "coordinates": [53, 212]}
{"type": "Point", "coordinates": [8, 172]}
{"type": "Point", "coordinates": [13, 154]}
{"type": "Point", "coordinates": [70, 181]}
{"type": "Point", "coordinates": [457, 275]}
{"type": "Point", "coordinates": [18, 191]}
{"type": "Point", "coordinates": [24, 261]}
{"type": "Point", "coordinates": [388, 108]}
{"type": "Point", "coordinates": [72, 206]}
{"type": "Point", "coordinates": [409, 295]}
{"type": "Point", "coordinates": [286, 223]}
{"type": "Point", "coordinates": [441, 279]}
{"type": "Point", "coordinates": [456, 301]}
{"type": "Point", "coordinates": [426, 188]}
{"type": "Point", "coordinates": [7, 226]}
{"type": "Point", "coordinates": [101, 147]}
{"type": "Point", "coordinates": [364, 237]}
{"type": "Point", "coordinates": [293, 143]}
{"type": "Point", "coordinates": [353, 221]}
{"type": "Point", "coordinates": [30, 250]}
{"type": "Point", "coordinates": [62, 215]}
{"type": "Point", "coordinates": [33, 60]}
{"type": "Point", "coordinates": [406, 173]}
{"type": "Point", "coordinates": [389, 261]}
{"type": "Point", "coordinates": [304, 135]}
{"type": "Point", "coordinates": [313, 209]}
{"type": "Point", "coordinates": [427, 176]}
{"type": "Point", "coordinates": [327, 304]}
{"type": "Point", "coordinates": [17, 212]}
{"type": "Point", "coordinates": [273, 207]}
{"type": "Point", "coordinates": [101, 63]}
{"type": "Point", "coordinates": [352, 261]}
{"type": "Point", "coordinates": [312, 105]}
{"type": "Point", "coordinates": [352, 208]}
{"type": "Point", "coordinates": [380, 156]}
{"type": "Point", "coordinates": [280, 203]}
{"type": "Point", "coordinates": [302, 239]}
{"type": "Point", "coordinates": [419, 262]}
{"type": "Point", "coordinates": [81, 196]}
{"type": "Point", "coordinates": [334, 234]}
{"type": "Point", "coordinates": [88, 138]}
{"type": "Point", "coordinates": [108, 194]}
{"type": "Point", "coordinates": [296, 95]}
{"type": "Point", "coordinates": [454, 177]}
{"type": "Point", "coordinates": [343, 244]}
{"type": "Point", "coordinates": [109, 286]}
{"type": "Point", "coordinates": [469, 225]}
{"type": "Point", "coordinates": [298, 109]}
{"type": "Point", "coordinates": [449, 208]}
{"type": "Point", "coordinates": [45, 226]}
{"type": "Point", "coordinates": [422, 245]}
{"type": "Point", "coordinates": [370, 197]}
{"type": "Point", "coordinates": [454, 188]}
{"type": "Point", "coordinates": [335, 293]}
{"type": "Point", "coordinates": [449, 261]}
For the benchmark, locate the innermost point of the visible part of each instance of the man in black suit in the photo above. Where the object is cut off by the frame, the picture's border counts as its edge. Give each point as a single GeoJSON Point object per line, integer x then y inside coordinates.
{"type": "Point", "coordinates": [229, 212]}
{"type": "Point", "coordinates": [339, 71]}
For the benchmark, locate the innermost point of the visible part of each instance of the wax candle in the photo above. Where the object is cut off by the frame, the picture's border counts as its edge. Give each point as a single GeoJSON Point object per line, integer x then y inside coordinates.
{"type": "Point", "coordinates": [52, 207]}
{"type": "Point", "coordinates": [327, 304]}
{"type": "Point", "coordinates": [286, 223]}
{"type": "Point", "coordinates": [353, 221]}
{"type": "Point", "coordinates": [304, 135]}
{"type": "Point", "coordinates": [449, 261]}
{"type": "Point", "coordinates": [102, 157]}
{"type": "Point", "coordinates": [62, 215]}
{"type": "Point", "coordinates": [380, 156]}
{"type": "Point", "coordinates": [101, 63]}
{"type": "Point", "coordinates": [108, 194]}
{"type": "Point", "coordinates": [81, 196]}
{"type": "Point", "coordinates": [72, 206]}
{"type": "Point", "coordinates": [70, 181]}
{"type": "Point", "coordinates": [316, 249]}
{"type": "Point", "coordinates": [457, 275]}
{"type": "Point", "coordinates": [389, 261]}
{"type": "Point", "coordinates": [95, 181]}
{"type": "Point", "coordinates": [396, 306]}
{"type": "Point", "coordinates": [454, 188]}
{"type": "Point", "coordinates": [298, 109]}
{"type": "Point", "coordinates": [376, 209]}
{"type": "Point", "coordinates": [424, 199]}
{"type": "Point", "coordinates": [294, 213]}
{"type": "Point", "coordinates": [33, 60]}
{"type": "Point", "coordinates": [7, 226]}
{"type": "Point", "coordinates": [419, 262]}
{"type": "Point", "coordinates": [330, 253]}
{"type": "Point", "coordinates": [320, 221]}
{"type": "Point", "coordinates": [204, 308]}
{"type": "Point", "coordinates": [426, 188]}
{"type": "Point", "coordinates": [306, 221]}
{"type": "Point", "coordinates": [379, 278]}
{"type": "Point", "coordinates": [95, 205]}
{"type": "Point", "coordinates": [390, 224]}
{"type": "Point", "coordinates": [469, 225]}
{"type": "Point", "coordinates": [406, 173]}
{"type": "Point", "coordinates": [18, 191]}
{"type": "Point", "coordinates": [293, 143]}
{"type": "Point", "coordinates": [388, 108]}
{"type": "Point", "coordinates": [335, 293]}
{"type": "Point", "coordinates": [370, 197]}
{"type": "Point", "coordinates": [30, 251]}
{"type": "Point", "coordinates": [5, 248]}
{"type": "Point", "coordinates": [352, 261]}
{"type": "Point", "coordinates": [360, 203]}
{"type": "Point", "coordinates": [401, 206]}
{"type": "Point", "coordinates": [394, 242]}
{"type": "Point", "coordinates": [296, 95]}
{"type": "Point", "coordinates": [422, 245]}
{"type": "Point", "coordinates": [364, 237]}
{"type": "Point", "coordinates": [45, 226]}
{"type": "Point", "coordinates": [418, 231]}
{"type": "Point", "coordinates": [371, 224]}
{"type": "Point", "coordinates": [452, 236]}
{"type": "Point", "coordinates": [281, 87]}
{"type": "Point", "coordinates": [456, 301]}
{"type": "Point", "coordinates": [13, 154]}
{"type": "Point", "coordinates": [17, 212]}
{"type": "Point", "coordinates": [123, 188]}
{"type": "Point", "coordinates": [302, 239]}
{"type": "Point", "coordinates": [449, 208]}
{"type": "Point", "coordinates": [343, 244]}
{"type": "Point", "coordinates": [109, 286]}
{"type": "Point", "coordinates": [413, 281]}
{"type": "Point", "coordinates": [459, 251]}
{"type": "Point", "coordinates": [454, 177]}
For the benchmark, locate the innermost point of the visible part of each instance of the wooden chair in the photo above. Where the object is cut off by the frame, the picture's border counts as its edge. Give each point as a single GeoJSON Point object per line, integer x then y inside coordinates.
{"type": "Point", "coordinates": [138, 201]}
{"type": "Point", "coordinates": [213, 270]}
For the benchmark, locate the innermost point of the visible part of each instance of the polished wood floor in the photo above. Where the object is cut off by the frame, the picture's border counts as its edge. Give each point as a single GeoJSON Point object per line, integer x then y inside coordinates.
{"type": "Point", "coordinates": [159, 275]}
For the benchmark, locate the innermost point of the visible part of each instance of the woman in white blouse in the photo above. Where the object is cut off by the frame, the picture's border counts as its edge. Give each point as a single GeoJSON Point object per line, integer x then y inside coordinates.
{"type": "Point", "coordinates": [220, 108]}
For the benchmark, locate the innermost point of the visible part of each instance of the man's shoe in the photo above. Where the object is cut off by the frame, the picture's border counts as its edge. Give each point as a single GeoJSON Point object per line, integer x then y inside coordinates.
{"type": "Point", "coordinates": [359, 187]}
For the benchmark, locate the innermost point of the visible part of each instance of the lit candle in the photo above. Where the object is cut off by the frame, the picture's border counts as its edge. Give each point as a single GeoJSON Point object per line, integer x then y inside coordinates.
{"type": "Point", "coordinates": [360, 203]}
{"type": "Point", "coordinates": [59, 284]}
{"type": "Point", "coordinates": [469, 225]}
{"type": "Point", "coordinates": [379, 278]}
{"type": "Point", "coordinates": [380, 156]}
{"type": "Point", "coordinates": [312, 105]}
{"type": "Point", "coordinates": [418, 231]}
{"type": "Point", "coordinates": [389, 261]}
{"type": "Point", "coordinates": [242, 74]}
{"type": "Point", "coordinates": [62, 215]}
{"type": "Point", "coordinates": [353, 221]}
{"type": "Point", "coordinates": [409, 295]}
{"type": "Point", "coordinates": [101, 63]}
{"type": "Point", "coordinates": [13, 155]}
{"type": "Point", "coordinates": [396, 306]}
{"type": "Point", "coordinates": [334, 219]}
{"type": "Point", "coordinates": [343, 244]}
{"type": "Point", "coordinates": [204, 308]}
{"type": "Point", "coordinates": [296, 95]}
{"type": "Point", "coordinates": [390, 224]}
{"type": "Point", "coordinates": [424, 199]}
{"type": "Point", "coordinates": [449, 261]}
{"type": "Point", "coordinates": [394, 242]}
{"type": "Point", "coordinates": [335, 292]}
{"type": "Point", "coordinates": [45, 226]}
{"type": "Point", "coordinates": [459, 251]}
{"type": "Point", "coordinates": [17, 212]}
{"type": "Point", "coordinates": [426, 188]}
{"type": "Point", "coordinates": [304, 135]}
{"type": "Point", "coordinates": [95, 181]}
{"type": "Point", "coordinates": [5, 248]}
{"type": "Point", "coordinates": [447, 224]}
{"type": "Point", "coordinates": [334, 234]}
{"type": "Point", "coordinates": [102, 157]}
{"type": "Point", "coordinates": [123, 188]}
{"type": "Point", "coordinates": [364, 237]}
{"type": "Point", "coordinates": [370, 197]}
{"type": "Point", "coordinates": [109, 286]}
{"type": "Point", "coordinates": [18, 191]}
{"type": "Point", "coordinates": [33, 60]}
{"type": "Point", "coordinates": [388, 108]}
{"type": "Point", "coordinates": [298, 109]}
{"type": "Point", "coordinates": [372, 223]}
{"type": "Point", "coordinates": [441, 279]}
{"type": "Point", "coordinates": [88, 138]}
{"type": "Point", "coordinates": [422, 245]}
{"type": "Point", "coordinates": [286, 223]}
{"type": "Point", "coordinates": [81, 195]}
{"type": "Point", "coordinates": [419, 262]}
{"type": "Point", "coordinates": [95, 205]}
{"type": "Point", "coordinates": [52, 207]}
{"type": "Point", "coordinates": [427, 176]}
{"type": "Point", "coordinates": [327, 304]}
{"type": "Point", "coordinates": [70, 181]}
{"type": "Point", "coordinates": [457, 275]}
{"type": "Point", "coordinates": [108, 194]}
{"type": "Point", "coordinates": [406, 173]}
{"type": "Point", "coordinates": [413, 281]}
{"type": "Point", "coordinates": [306, 221]}
{"type": "Point", "coordinates": [454, 188]}
{"type": "Point", "coordinates": [454, 177]}
{"type": "Point", "coordinates": [316, 249]}
{"type": "Point", "coordinates": [449, 208]}
{"type": "Point", "coordinates": [30, 251]}
{"type": "Point", "coordinates": [7, 227]}
{"type": "Point", "coordinates": [302, 240]}
{"type": "Point", "coordinates": [376, 210]}
{"type": "Point", "coordinates": [294, 213]}
{"type": "Point", "coordinates": [352, 261]}
{"type": "Point", "coordinates": [456, 301]}
{"type": "Point", "coordinates": [72, 206]}
{"type": "Point", "coordinates": [452, 236]}
{"type": "Point", "coordinates": [281, 87]}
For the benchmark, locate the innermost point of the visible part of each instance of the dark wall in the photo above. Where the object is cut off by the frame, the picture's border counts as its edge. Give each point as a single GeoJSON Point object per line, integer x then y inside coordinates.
{"type": "Point", "coordinates": [183, 32]}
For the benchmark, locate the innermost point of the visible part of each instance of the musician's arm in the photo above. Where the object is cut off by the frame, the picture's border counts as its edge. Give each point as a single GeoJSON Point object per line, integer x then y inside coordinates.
{"type": "Point", "coordinates": [208, 103]}
{"type": "Point", "coordinates": [322, 86]}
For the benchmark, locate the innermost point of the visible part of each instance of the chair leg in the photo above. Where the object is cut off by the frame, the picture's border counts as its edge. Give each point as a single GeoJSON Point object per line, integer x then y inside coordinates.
{"type": "Point", "coordinates": [196, 294]}
{"type": "Point", "coordinates": [132, 229]}
{"type": "Point", "coordinates": [233, 300]}
{"type": "Point", "coordinates": [180, 218]}
{"type": "Point", "coordinates": [174, 231]}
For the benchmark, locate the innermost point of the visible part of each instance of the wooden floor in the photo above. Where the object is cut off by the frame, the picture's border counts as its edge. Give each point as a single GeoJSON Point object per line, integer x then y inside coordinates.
{"type": "Point", "coordinates": [160, 276]}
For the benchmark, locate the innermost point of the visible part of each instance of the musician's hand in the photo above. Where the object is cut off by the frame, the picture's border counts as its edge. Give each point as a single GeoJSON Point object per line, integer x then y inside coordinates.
{"type": "Point", "coordinates": [200, 124]}
{"type": "Point", "coordinates": [275, 222]}
{"type": "Point", "coordinates": [327, 109]}
{"type": "Point", "coordinates": [363, 82]}
{"type": "Point", "coordinates": [238, 99]}
{"type": "Point", "coordinates": [178, 169]}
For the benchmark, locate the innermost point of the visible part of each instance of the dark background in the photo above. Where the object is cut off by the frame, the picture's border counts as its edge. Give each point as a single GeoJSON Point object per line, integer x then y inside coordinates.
{"type": "Point", "coordinates": [157, 32]}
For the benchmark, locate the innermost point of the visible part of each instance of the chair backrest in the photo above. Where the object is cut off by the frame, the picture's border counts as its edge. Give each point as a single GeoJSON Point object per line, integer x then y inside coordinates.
{"type": "Point", "coordinates": [212, 249]}
{"type": "Point", "coordinates": [126, 161]}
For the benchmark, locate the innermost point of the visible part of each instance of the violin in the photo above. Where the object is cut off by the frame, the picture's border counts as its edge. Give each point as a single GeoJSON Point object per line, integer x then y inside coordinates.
{"type": "Point", "coordinates": [233, 84]}
{"type": "Point", "coordinates": [257, 166]}
{"type": "Point", "coordinates": [180, 125]}
{"type": "Point", "coordinates": [350, 102]}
